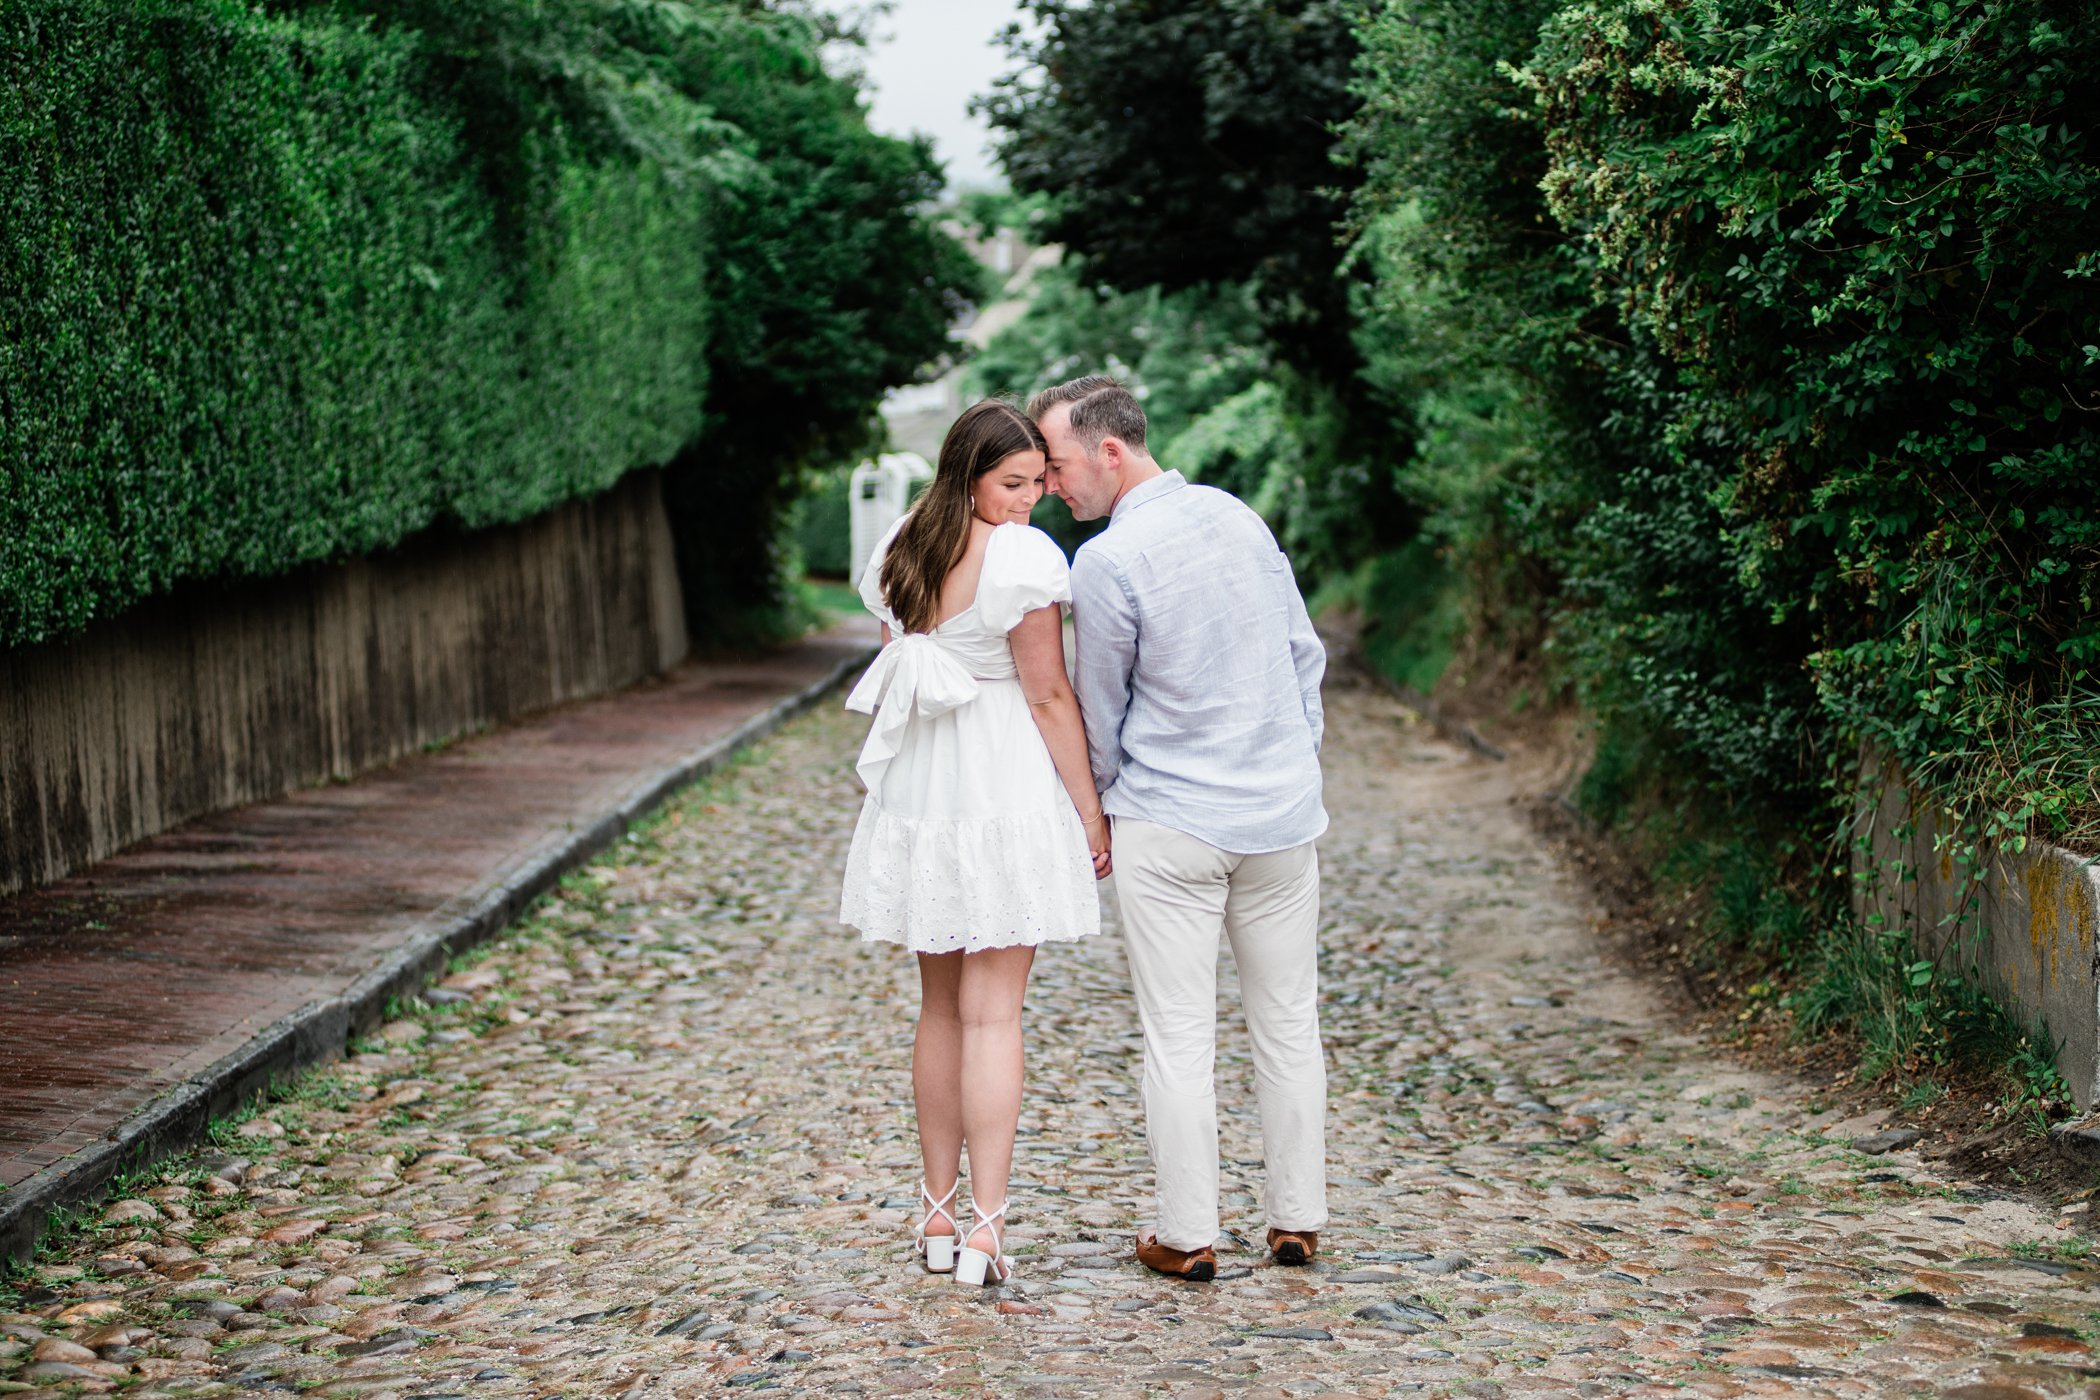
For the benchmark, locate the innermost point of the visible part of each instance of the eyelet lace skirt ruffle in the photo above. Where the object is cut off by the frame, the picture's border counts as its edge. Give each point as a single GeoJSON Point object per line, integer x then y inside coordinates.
{"type": "Point", "coordinates": [962, 885]}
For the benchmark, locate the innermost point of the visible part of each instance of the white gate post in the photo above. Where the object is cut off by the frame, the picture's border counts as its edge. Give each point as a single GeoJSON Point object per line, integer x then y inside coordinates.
{"type": "Point", "coordinates": [881, 491]}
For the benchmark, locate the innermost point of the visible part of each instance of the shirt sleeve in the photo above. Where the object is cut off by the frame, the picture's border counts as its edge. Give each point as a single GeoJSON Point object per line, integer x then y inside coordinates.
{"type": "Point", "coordinates": [1308, 657]}
{"type": "Point", "coordinates": [1105, 635]}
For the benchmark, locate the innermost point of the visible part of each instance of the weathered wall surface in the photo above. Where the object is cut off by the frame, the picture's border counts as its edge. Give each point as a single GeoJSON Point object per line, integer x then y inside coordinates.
{"type": "Point", "coordinates": [2032, 929]}
{"type": "Point", "coordinates": [215, 696]}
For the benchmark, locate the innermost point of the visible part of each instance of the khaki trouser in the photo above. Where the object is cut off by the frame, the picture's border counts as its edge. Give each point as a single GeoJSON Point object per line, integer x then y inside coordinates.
{"type": "Point", "coordinates": [1178, 895]}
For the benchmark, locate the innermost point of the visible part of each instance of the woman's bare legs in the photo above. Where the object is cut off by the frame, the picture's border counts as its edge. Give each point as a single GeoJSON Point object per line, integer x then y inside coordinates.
{"type": "Point", "coordinates": [936, 1078]}
{"type": "Point", "coordinates": [989, 1000]}
{"type": "Point", "coordinates": [966, 1069]}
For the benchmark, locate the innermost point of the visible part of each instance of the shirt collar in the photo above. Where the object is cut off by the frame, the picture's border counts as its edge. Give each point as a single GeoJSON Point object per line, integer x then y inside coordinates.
{"type": "Point", "coordinates": [1151, 491]}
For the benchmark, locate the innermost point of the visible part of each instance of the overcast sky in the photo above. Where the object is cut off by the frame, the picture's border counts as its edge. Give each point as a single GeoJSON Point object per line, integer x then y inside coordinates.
{"type": "Point", "coordinates": [930, 57]}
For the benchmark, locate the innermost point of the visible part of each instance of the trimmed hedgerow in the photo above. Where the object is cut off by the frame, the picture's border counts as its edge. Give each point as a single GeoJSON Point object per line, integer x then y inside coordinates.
{"type": "Point", "coordinates": [263, 302]}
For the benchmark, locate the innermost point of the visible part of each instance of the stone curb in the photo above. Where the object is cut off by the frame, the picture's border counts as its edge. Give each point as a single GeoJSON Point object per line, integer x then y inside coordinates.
{"type": "Point", "coordinates": [321, 1030]}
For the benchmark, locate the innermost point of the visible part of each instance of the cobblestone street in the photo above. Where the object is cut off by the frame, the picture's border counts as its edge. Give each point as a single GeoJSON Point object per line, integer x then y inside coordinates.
{"type": "Point", "coordinates": [658, 1142]}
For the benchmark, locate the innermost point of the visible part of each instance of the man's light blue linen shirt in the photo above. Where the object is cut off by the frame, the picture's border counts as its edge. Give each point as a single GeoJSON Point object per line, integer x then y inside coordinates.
{"type": "Point", "coordinates": [1199, 671]}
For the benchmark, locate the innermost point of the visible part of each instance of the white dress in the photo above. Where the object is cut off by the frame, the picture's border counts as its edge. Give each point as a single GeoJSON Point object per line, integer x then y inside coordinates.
{"type": "Point", "coordinates": [967, 839]}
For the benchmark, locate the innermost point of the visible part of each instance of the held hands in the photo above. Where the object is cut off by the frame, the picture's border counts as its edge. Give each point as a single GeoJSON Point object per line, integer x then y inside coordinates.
{"type": "Point", "coordinates": [1098, 838]}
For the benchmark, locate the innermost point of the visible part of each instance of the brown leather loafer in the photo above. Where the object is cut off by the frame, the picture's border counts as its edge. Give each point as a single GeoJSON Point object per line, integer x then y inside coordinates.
{"type": "Point", "coordinates": [1197, 1266]}
{"type": "Point", "coordinates": [1293, 1246]}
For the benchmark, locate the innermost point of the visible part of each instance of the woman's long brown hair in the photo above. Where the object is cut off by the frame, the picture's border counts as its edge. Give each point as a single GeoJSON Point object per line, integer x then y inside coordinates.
{"type": "Point", "coordinates": [937, 532]}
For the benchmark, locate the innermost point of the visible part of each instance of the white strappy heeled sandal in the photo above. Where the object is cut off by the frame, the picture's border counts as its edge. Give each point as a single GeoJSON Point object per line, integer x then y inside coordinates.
{"type": "Point", "coordinates": [937, 1250]}
{"type": "Point", "coordinates": [975, 1266]}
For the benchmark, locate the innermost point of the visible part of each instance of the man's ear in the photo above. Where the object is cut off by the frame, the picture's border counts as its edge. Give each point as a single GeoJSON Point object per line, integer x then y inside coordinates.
{"type": "Point", "coordinates": [1112, 453]}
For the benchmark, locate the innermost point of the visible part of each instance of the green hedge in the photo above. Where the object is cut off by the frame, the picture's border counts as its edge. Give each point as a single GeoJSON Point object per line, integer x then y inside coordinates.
{"type": "Point", "coordinates": [1864, 238]}
{"type": "Point", "coordinates": [1753, 345]}
{"type": "Point", "coordinates": [260, 305]}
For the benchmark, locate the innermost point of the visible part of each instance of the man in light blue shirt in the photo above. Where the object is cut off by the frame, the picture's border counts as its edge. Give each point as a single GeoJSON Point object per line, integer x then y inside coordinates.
{"type": "Point", "coordinates": [1199, 672]}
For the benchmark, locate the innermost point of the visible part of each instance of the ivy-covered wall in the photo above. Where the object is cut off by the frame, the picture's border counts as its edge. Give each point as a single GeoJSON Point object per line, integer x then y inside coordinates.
{"type": "Point", "coordinates": [337, 338]}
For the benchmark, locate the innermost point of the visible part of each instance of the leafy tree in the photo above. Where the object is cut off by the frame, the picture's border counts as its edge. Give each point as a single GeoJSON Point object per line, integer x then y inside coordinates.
{"type": "Point", "coordinates": [1187, 142]}
{"type": "Point", "coordinates": [1183, 145]}
{"type": "Point", "coordinates": [831, 283]}
{"type": "Point", "coordinates": [1755, 330]}
{"type": "Point", "coordinates": [985, 212]}
{"type": "Point", "coordinates": [1469, 313]}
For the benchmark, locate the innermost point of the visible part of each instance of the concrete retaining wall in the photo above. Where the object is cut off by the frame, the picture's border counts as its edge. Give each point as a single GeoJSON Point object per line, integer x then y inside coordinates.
{"type": "Point", "coordinates": [2032, 929]}
{"type": "Point", "coordinates": [219, 695]}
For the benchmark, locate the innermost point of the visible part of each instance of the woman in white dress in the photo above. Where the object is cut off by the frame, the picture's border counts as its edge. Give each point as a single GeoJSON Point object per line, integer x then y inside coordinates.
{"type": "Point", "coordinates": [982, 835]}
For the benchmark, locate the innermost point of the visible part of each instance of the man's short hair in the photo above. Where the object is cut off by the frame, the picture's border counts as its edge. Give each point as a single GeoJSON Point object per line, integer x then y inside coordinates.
{"type": "Point", "coordinates": [1101, 408]}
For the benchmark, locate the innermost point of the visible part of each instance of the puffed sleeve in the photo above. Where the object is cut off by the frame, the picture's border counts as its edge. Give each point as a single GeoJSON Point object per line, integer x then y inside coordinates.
{"type": "Point", "coordinates": [871, 577]}
{"type": "Point", "coordinates": [1023, 570]}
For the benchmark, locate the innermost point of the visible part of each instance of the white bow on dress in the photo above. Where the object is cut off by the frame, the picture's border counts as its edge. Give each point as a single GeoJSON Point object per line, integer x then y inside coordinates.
{"type": "Point", "coordinates": [913, 674]}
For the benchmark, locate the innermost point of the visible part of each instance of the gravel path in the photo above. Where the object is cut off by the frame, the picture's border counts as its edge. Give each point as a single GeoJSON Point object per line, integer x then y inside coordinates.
{"type": "Point", "coordinates": [658, 1141]}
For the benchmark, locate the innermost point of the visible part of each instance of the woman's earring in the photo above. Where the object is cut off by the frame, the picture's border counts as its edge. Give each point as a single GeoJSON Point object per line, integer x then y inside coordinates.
{"type": "Point", "coordinates": [973, 503]}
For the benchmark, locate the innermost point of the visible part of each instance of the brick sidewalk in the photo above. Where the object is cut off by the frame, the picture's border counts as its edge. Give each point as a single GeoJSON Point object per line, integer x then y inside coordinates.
{"type": "Point", "coordinates": [166, 983]}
